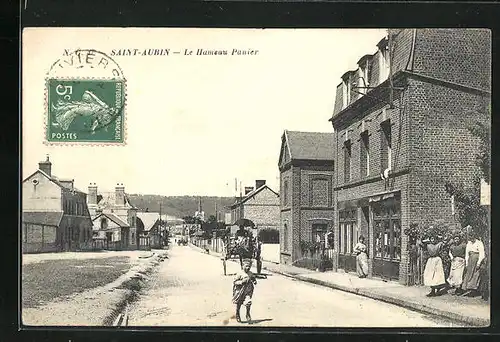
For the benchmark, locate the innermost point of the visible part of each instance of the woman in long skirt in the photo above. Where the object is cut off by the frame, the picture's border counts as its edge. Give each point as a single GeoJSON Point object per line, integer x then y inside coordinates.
{"type": "Point", "coordinates": [474, 253]}
{"type": "Point", "coordinates": [361, 258]}
{"type": "Point", "coordinates": [243, 287]}
{"type": "Point", "coordinates": [433, 272]}
{"type": "Point", "coordinates": [457, 256]}
{"type": "Point", "coordinates": [484, 279]}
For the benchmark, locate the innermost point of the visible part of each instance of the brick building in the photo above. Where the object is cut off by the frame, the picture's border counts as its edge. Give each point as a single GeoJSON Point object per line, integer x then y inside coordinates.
{"type": "Point", "coordinates": [306, 190]}
{"type": "Point", "coordinates": [55, 214]}
{"type": "Point", "coordinates": [114, 217]}
{"type": "Point", "coordinates": [260, 205]}
{"type": "Point", "coordinates": [400, 134]}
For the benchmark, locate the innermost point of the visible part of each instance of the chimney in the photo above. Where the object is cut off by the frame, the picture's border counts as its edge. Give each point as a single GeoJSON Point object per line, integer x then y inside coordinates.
{"type": "Point", "coordinates": [259, 183]}
{"type": "Point", "coordinates": [120, 194]}
{"type": "Point", "coordinates": [46, 166]}
{"type": "Point", "coordinates": [248, 189]}
{"type": "Point", "coordinates": [92, 198]}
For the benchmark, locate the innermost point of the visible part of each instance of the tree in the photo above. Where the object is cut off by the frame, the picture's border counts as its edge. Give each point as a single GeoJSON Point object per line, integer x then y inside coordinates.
{"type": "Point", "coordinates": [212, 219]}
{"type": "Point", "coordinates": [467, 196]}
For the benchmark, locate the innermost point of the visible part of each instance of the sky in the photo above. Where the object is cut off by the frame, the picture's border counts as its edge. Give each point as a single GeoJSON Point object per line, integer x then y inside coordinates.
{"type": "Point", "coordinates": [194, 123]}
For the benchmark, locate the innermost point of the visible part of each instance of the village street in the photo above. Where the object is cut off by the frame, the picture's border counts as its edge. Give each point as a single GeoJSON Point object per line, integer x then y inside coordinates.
{"type": "Point", "coordinates": [190, 289]}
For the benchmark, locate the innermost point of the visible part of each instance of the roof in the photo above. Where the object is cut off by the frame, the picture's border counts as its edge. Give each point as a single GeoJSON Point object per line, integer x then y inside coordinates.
{"type": "Point", "coordinates": [310, 145]}
{"type": "Point", "coordinates": [113, 218]}
{"type": "Point", "coordinates": [59, 182]}
{"type": "Point", "coordinates": [171, 219]}
{"type": "Point", "coordinates": [148, 219]}
{"type": "Point", "coordinates": [48, 218]}
{"type": "Point", "coordinates": [251, 194]}
{"type": "Point", "coordinates": [109, 199]}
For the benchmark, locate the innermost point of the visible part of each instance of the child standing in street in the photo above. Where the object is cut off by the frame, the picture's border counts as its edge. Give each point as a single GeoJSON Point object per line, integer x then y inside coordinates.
{"type": "Point", "coordinates": [243, 286]}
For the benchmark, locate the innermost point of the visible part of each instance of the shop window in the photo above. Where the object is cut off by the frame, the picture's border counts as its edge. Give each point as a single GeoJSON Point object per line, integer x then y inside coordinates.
{"type": "Point", "coordinates": [387, 229]}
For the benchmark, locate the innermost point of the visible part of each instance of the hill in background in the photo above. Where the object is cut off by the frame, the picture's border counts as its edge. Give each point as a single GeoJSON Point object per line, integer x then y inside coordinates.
{"type": "Point", "coordinates": [180, 206]}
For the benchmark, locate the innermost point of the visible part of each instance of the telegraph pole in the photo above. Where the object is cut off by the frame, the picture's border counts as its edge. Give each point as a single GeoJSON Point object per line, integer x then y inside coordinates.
{"type": "Point", "coordinates": [160, 226]}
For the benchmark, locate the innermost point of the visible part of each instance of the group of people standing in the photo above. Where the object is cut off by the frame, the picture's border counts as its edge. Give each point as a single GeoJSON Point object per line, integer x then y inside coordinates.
{"type": "Point", "coordinates": [468, 270]}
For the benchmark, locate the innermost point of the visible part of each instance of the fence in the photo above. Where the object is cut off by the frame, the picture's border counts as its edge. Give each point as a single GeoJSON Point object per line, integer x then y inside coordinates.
{"type": "Point", "coordinates": [322, 259]}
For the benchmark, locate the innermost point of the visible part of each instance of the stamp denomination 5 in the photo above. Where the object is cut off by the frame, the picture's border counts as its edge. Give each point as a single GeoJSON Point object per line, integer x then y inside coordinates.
{"type": "Point", "coordinates": [85, 99]}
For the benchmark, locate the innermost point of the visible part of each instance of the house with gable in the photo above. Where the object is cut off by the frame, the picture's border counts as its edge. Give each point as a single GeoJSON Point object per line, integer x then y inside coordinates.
{"type": "Point", "coordinates": [113, 217]}
{"type": "Point", "coordinates": [260, 205]}
{"type": "Point", "coordinates": [149, 229]}
{"type": "Point", "coordinates": [306, 165]}
{"type": "Point", "coordinates": [55, 216]}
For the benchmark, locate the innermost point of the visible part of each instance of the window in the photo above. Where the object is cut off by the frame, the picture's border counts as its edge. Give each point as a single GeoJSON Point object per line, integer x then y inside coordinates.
{"type": "Point", "coordinates": [347, 161]}
{"type": "Point", "coordinates": [346, 92]}
{"type": "Point", "coordinates": [285, 193]}
{"type": "Point", "coordinates": [104, 223]}
{"type": "Point", "coordinates": [285, 237]}
{"type": "Point", "coordinates": [387, 229]}
{"type": "Point", "coordinates": [384, 63]}
{"type": "Point", "coordinates": [364, 82]}
{"type": "Point", "coordinates": [318, 232]}
{"type": "Point", "coordinates": [386, 145]}
{"type": "Point", "coordinates": [365, 154]}
{"type": "Point", "coordinates": [348, 231]}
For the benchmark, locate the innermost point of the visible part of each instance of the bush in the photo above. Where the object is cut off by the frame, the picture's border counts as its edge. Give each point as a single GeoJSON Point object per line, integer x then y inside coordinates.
{"type": "Point", "coordinates": [269, 235]}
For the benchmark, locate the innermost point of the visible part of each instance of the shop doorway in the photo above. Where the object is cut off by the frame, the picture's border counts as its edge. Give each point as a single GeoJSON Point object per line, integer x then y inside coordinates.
{"type": "Point", "coordinates": [348, 235]}
{"type": "Point", "coordinates": [386, 218]}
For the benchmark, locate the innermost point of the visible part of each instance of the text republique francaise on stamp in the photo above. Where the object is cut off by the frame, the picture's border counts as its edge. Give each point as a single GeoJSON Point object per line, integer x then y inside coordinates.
{"type": "Point", "coordinates": [85, 99]}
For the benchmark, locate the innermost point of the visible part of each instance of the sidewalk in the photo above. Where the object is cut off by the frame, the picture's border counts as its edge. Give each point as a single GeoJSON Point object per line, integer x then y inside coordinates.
{"type": "Point", "coordinates": [472, 311]}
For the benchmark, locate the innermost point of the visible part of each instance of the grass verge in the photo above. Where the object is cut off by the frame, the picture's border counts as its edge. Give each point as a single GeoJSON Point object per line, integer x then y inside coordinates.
{"type": "Point", "coordinates": [50, 279]}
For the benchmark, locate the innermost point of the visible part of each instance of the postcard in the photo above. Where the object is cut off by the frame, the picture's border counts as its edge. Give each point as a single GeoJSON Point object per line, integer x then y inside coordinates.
{"type": "Point", "coordinates": [194, 177]}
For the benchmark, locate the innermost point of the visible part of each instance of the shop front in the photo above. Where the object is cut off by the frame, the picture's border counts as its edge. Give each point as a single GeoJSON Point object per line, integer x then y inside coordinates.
{"type": "Point", "coordinates": [378, 219]}
{"type": "Point", "coordinates": [386, 242]}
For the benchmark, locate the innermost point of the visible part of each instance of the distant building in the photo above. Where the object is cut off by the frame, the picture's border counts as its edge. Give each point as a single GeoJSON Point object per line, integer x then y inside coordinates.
{"type": "Point", "coordinates": [149, 229]}
{"type": "Point", "coordinates": [260, 205]}
{"type": "Point", "coordinates": [400, 123]}
{"type": "Point", "coordinates": [55, 213]}
{"type": "Point", "coordinates": [306, 165]}
{"type": "Point", "coordinates": [114, 217]}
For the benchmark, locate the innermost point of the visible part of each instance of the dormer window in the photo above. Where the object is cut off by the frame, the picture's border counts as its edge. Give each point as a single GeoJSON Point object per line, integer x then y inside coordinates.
{"type": "Point", "coordinates": [364, 73]}
{"type": "Point", "coordinates": [384, 60]}
{"type": "Point", "coordinates": [346, 90]}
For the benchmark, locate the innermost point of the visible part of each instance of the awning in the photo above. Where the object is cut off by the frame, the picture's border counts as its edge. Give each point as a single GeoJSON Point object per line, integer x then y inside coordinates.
{"type": "Point", "coordinates": [382, 196]}
{"type": "Point", "coordinates": [363, 202]}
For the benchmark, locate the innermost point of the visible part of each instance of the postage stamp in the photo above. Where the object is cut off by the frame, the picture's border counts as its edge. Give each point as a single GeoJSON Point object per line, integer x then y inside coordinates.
{"type": "Point", "coordinates": [85, 99]}
{"type": "Point", "coordinates": [85, 110]}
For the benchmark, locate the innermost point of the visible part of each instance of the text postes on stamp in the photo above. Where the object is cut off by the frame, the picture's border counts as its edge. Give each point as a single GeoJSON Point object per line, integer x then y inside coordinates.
{"type": "Point", "coordinates": [85, 110]}
{"type": "Point", "coordinates": [85, 99]}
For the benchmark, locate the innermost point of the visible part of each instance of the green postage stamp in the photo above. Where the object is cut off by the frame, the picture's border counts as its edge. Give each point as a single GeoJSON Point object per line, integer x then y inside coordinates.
{"type": "Point", "coordinates": [85, 107]}
{"type": "Point", "coordinates": [85, 110]}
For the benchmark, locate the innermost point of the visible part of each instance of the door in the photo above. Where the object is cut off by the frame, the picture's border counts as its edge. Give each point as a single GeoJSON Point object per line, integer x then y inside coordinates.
{"type": "Point", "coordinates": [387, 238]}
{"type": "Point", "coordinates": [347, 239]}
{"type": "Point", "coordinates": [109, 237]}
